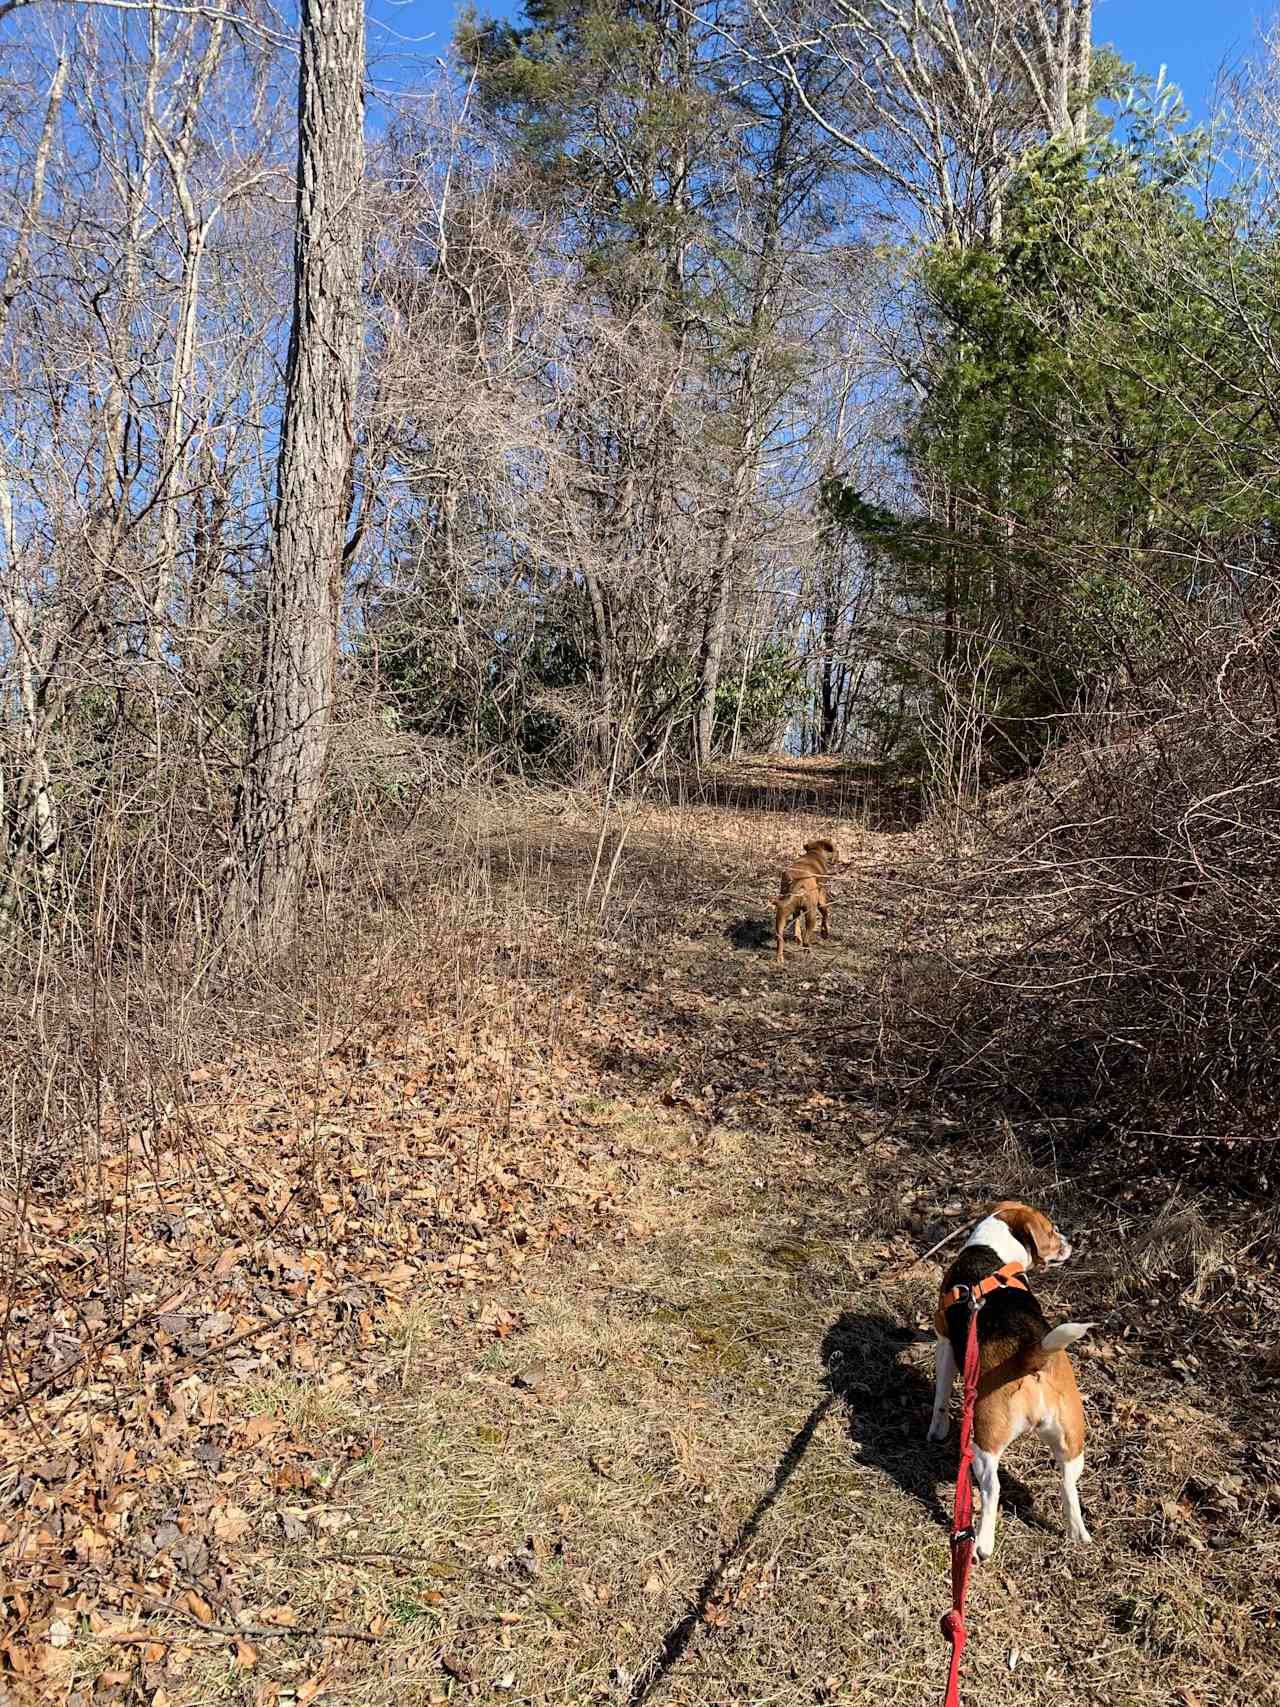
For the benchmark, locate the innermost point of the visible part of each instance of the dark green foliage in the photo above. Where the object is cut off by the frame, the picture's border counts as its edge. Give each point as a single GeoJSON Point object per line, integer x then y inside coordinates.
{"type": "Point", "coordinates": [1096, 421]}
{"type": "Point", "coordinates": [506, 703]}
{"type": "Point", "coordinates": [600, 100]}
{"type": "Point", "coordinates": [758, 704]}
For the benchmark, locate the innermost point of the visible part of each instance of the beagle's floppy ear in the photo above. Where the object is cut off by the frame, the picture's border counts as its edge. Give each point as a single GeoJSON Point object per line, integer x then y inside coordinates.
{"type": "Point", "coordinates": [1028, 1227]}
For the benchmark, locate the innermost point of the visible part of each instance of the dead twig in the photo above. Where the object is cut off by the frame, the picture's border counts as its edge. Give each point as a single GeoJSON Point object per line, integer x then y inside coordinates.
{"type": "Point", "coordinates": [218, 1635]}
{"type": "Point", "coordinates": [948, 1239]}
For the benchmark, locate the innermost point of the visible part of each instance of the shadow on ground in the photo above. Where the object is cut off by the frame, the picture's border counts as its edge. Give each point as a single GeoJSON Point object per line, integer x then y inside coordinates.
{"type": "Point", "coordinates": [750, 933]}
{"type": "Point", "coordinates": [778, 785]}
{"type": "Point", "coordinates": [887, 1402]}
{"type": "Point", "coordinates": [682, 1632]}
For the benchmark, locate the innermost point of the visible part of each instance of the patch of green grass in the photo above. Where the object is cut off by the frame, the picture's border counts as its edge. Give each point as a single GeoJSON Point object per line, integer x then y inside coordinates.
{"type": "Point", "coordinates": [407, 1608]}
{"type": "Point", "coordinates": [302, 1405]}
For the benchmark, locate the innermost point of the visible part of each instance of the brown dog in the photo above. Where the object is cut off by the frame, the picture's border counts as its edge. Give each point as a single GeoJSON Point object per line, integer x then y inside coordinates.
{"type": "Point", "coordinates": [802, 894]}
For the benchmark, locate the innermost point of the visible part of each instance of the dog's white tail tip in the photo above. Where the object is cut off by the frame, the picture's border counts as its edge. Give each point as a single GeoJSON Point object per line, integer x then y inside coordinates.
{"type": "Point", "coordinates": [1058, 1339]}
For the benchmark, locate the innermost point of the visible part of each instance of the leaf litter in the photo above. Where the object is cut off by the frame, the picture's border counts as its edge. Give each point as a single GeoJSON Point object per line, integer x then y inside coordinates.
{"type": "Point", "coordinates": [167, 1309]}
{"type": "Point", "coordinates": [201, 1324]}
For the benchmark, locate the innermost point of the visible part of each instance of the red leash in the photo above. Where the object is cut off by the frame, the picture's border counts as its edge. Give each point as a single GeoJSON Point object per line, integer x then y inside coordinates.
{"type": "Point", "coordinates": [962, 1527]}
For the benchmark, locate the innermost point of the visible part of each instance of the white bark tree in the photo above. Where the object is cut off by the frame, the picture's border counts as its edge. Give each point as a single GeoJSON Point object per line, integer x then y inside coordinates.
{"type": "Point", "coordinates": [137, 375]}
{"type": "Point", "coordinates": [28, 821]}
{"type": "Point", "coordinates": [937, 101]}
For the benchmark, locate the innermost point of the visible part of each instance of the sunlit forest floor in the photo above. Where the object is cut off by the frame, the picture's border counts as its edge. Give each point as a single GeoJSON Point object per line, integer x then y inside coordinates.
{"type": "Point", "coordinates": [555, 1329]}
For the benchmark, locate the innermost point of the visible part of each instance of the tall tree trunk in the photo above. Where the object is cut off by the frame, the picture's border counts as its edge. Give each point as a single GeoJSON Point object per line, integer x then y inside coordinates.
{"type": "Point", "coordinates": [743, 477]}
{"type": "Point", "coordinates": [289, 727]}
{"type": "Point", "coordinates": [195, 229]}
{"type": "Point", "coordinates": [29, 817]}
{"type": "Point", "coordinates": [601, 632]}
{"type": "Point", "coordinates": [716, 623]}
{"type": "Point", "coordinates": [109, 521]}
{"type": "Point", "coordinates": [831, 686]}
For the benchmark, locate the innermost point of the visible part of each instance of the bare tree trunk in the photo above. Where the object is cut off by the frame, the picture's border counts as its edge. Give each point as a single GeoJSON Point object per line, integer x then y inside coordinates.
{"type": "Point", "coordinates": [173, 449]}
{"type": "Point", "coordinates": [604, 666]}
{"type": "Point", "coordinates": [835, 674]}
{"type": "Point", "coordinates": [713, 638]}
{"type": "Point", "coordinates": [750, 409]}
{"type": "Point", "coordinates": [289, 727]}
{"type": "Point", "coordinates": [108, 523]}
{"type": "Point", "coordinates": [30, 818]}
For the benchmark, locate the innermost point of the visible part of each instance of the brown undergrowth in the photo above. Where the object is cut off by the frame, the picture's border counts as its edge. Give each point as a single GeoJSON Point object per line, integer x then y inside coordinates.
{"type": "Point", "coordinates": [541, 1321]}
{"type": "Point", "coordinates": [1107, 963]}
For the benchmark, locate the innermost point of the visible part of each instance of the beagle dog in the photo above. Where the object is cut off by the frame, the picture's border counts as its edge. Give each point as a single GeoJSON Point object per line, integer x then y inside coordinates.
{"type": "Point", "coordinates": [1026, 1381]}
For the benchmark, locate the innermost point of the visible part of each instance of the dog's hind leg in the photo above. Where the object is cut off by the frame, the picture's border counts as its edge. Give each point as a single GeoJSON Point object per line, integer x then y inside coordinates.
{"type": "Point", "coordinates": [1060, 1443]}
{"type": "Point", "coordinates": [810, 920]}
{"type": "Point", "coordinates": [986, 1473]}
{"type": "Point", "coordinates": [1072, 1515]}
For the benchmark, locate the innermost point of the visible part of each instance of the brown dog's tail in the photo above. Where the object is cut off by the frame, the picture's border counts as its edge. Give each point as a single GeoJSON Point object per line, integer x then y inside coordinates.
{"type": "Point", "coordinates": [1035, 1357]}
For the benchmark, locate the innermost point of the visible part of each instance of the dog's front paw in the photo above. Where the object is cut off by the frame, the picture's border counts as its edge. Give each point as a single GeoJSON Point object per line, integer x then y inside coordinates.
{"type": "Point", "coordinates": [984, 1539]}
{"type": "Point", "coordinates": [1080, 1535]}
{"type": "Point", "coordinates": [940, 1428]}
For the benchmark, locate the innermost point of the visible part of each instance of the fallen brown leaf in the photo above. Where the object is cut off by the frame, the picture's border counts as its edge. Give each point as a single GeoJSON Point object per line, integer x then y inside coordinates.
{"type": "Point", "coordinates": [197, 1606]}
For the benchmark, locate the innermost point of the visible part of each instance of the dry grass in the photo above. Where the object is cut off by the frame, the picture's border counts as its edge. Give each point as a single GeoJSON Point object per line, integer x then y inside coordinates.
{"type": "Point", "coordinates": [1111, 949]}
{"type": "Point", "coordinates": [694, 1470]}
{"type": "Point", "coordinates": [698, 1475]}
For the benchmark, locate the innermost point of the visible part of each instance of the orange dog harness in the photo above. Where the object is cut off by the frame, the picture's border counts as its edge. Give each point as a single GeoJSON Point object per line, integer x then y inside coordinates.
{"type": "Point", "coordinates": [1012, 1274]}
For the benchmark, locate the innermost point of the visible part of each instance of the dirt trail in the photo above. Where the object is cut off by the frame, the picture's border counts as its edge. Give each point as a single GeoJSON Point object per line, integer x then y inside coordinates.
{"type": "Point", "coordinates": [696, 1471]}
{"type": "Point", "coordinates": [683, 1460]}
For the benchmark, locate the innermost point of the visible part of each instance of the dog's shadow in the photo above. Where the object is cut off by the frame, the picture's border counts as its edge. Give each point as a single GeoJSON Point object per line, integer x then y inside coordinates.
{"type": "Point", "coordinates": [887, 1402]}
{"type": "Point", "coordinates": [750, 933]}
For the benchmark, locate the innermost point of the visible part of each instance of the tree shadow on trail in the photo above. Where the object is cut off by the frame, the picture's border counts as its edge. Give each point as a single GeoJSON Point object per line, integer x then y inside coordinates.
{"type": "Point", "coordinates": [682, 1632]}
{"type": "Point", "coordinates": [860, 1354]}
{"type": "Point", "coordinates": [842, 792]}
{"type": "Point", "coordinates": [887, 1404]}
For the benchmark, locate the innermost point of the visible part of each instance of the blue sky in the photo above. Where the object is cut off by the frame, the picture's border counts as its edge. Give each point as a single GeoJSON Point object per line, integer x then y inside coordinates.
{"type": "Point", "coordinates": [1190, 37]}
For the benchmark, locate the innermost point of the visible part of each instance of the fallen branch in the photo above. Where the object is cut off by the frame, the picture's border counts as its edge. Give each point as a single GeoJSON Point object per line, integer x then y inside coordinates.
{"type": "Point", "coordinates": [947, 1239]}
{"type": "Point", "coordinates": [219, 1635]}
